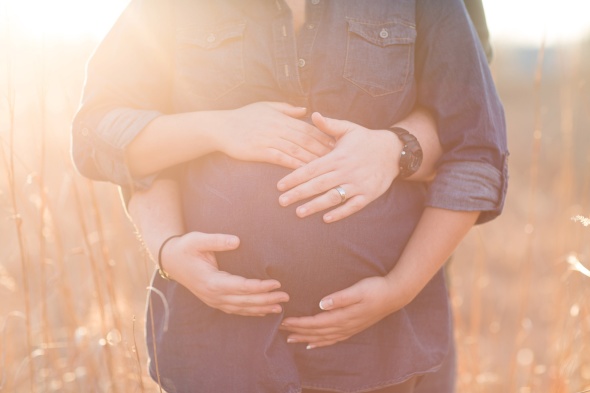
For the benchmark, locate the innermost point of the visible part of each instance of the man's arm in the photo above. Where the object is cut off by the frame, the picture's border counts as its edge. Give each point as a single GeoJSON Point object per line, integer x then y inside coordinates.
{"type": "Point", "coordinates": [363, 163]}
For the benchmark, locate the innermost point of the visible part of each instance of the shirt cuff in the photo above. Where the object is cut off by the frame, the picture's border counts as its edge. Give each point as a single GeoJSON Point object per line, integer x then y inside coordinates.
{"type": "Point", "coordinates": [469, 186]}
{"type": "Point", "coordinates": [111, 137]}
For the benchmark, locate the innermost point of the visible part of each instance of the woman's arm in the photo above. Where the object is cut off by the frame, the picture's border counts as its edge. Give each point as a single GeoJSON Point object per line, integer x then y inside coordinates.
{"type": "Point", "coordinates": [365, 303]}
{"type": "Point", "coordinates": [265, 131]}
{"type": "Point", "coordinates": [190, 259]}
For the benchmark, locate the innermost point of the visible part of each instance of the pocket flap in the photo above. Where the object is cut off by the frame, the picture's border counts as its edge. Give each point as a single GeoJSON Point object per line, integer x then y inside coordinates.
{"type": "Point", "coordinates": [210, 37]}
{"type": "Point", "coordinates": [383, 34]}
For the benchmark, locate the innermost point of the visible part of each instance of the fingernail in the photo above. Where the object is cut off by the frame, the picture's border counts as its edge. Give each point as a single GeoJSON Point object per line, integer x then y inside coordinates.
{"type": "Point", "coordinates": [301, 211]}
{"type": "Point", "coordinates": [285, 324]}
{"type": "Point", "coordinates": [328, 218]}
{"type": "Point", "coordinates": [281, 186]}
{"type": "Point", "coordinates": [326, 304]}
{"type": "Point", "coordinates": [233, 241]}
{"type": "Point", "coordinates": [277, 310]}
{"type": "Point", "coordinates": [283, 200]}
{"type": "Point", "coordinates": [310, 346]}
{"type": "Point", "coordinates": [291, 340]}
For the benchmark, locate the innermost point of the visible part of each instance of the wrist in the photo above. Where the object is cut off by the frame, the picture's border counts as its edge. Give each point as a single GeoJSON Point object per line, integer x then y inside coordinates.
{"type": "Point", "coordinates": [162, 256]}
{"type": "Point", "coordinates": [400, 292]}
{"type": "Point", "coordinates": [212, 126]}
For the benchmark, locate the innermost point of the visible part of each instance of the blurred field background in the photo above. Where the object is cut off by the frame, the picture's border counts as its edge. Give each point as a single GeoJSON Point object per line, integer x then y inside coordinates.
{"type": "Point", "coordinates": [73, 277]}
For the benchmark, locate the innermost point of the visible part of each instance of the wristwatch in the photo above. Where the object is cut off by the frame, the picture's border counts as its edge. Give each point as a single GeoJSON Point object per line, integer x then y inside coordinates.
{"type": "Point", "coordinates": [411, 156]}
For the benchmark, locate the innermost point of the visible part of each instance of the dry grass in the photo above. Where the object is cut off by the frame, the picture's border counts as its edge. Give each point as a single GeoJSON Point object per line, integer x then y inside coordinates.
{"type": "Point", "coordinates": [73, 278]}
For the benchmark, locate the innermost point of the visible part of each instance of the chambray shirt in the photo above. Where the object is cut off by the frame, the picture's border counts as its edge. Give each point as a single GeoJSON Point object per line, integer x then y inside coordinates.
{"type": "Point", "coordinates": [369, 62]}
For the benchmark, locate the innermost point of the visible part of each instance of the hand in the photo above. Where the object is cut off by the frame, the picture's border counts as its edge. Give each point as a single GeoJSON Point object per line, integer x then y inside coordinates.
{"type": "Point", "coordinates": [363, 163]}
{"type": "Point", "coordinates": [272, 132]}
{"type": "Point", "coordinates": [190, 260]}
{"type": "Point", "coordinates": [348, 312]}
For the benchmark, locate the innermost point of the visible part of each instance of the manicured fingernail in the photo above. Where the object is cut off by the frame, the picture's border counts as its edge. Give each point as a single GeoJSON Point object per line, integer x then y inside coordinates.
{"type": "Point", "coordinates": [291, 340]}
{"type": "Point", "coordinates": [233, 241]}
{"type": "Point", "coordinates": [328, 218]}
{"type": "Point", "coordinates": [281, 186]}
{"type": "Point", "coordinates": [283, 200]}
{"type": "Point", "coordinates": [310, 346]}
{"type": "Point", "coordinates": [326, 304]}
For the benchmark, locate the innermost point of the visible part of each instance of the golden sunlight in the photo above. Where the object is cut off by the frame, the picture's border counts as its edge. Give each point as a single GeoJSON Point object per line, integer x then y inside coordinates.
{"type": "Point", "coordinates": [521, 22]}
{"type": "Point", "coordinates": [526, 22]}
{"type": "Point", "coordinates": [60, 19]}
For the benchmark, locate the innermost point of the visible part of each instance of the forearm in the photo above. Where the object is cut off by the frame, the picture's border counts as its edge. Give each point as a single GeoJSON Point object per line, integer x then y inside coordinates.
{"type": "Point", "coordinates": [421, 124]}
{"type": "Point", "coordinates": [157, 213]}
{"type": "Point", "coordinates": [187, 135]}
{"type": "Point", "coordinates": [435, 238]}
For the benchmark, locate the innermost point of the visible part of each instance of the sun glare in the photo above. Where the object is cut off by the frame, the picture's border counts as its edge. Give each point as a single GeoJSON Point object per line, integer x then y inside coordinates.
{"type": "Point", "coordinates": [61, 19]}
{"type": "Point", "coordinates": [529, 21]}
{"type": "Point", "coordinates": [521, 22]}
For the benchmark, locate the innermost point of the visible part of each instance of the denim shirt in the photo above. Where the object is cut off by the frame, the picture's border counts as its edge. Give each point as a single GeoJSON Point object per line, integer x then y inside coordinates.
{"type": "Point", "coordinates": [369, 62]}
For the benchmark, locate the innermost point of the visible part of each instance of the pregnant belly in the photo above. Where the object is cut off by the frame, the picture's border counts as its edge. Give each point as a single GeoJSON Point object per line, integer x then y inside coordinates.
{"type": "Point", "coordinates": [309, 257]}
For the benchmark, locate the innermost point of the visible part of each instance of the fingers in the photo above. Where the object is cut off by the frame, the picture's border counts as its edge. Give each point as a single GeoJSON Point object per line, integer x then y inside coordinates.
{"type": "Point", "coordinates": [322, 329]}
{"type": "Point", "coordinates": [322, 165]}
{"type": "Point", "coordinates": [293, 150]}
{"type": "Point", "coordinates": [196, 269]}
{"type": "Point", "coordinates": [327, 142]}
{"type": "Point", "coordinates": [351, 206]}
{"type": "Point", "coordinates": [304, 128]}
{"type": "Point", "coordinates": [344, 298]}
{"type": "Point", "coordinates": [314, 186]}
{"type": "Point", "coordinates": [214, 242]}
{"type": "Point", "coordinates": [230, 284]}
{"type": "Point", "coordinates": [238, 295]}
{"type": "Point", "coordinates": [331, 198]}
{"type": "Point", "coordinates": [288, 109]}
{"type": "Point", "coordinates": [333, 127]}
{"type": "Point", "coordinates": [327, 200]}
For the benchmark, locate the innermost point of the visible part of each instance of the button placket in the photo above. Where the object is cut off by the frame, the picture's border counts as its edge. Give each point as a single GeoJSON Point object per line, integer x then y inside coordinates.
{"type": "Point", "coordinates": [286, 53]}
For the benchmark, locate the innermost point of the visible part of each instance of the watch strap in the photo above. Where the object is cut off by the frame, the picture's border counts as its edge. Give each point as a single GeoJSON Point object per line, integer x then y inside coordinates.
{"type": "Point", "coordinates": [411, 155]}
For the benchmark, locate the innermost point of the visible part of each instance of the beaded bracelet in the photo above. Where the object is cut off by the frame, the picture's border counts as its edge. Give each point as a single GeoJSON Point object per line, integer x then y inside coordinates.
{"type": "Point", "coordinates": [163, 273]}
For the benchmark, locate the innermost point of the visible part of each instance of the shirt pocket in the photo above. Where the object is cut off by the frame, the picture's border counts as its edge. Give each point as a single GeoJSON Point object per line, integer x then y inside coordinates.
{"type": "Point", "coordinates": [210, 60]}
{"type": "Point", "coordinates": [379, 56]}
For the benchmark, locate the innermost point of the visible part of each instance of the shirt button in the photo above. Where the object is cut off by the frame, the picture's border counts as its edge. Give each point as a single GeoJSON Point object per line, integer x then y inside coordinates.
{"type": "Point", "coordinates": [85, 132]}
{"type": "Point", "coordinates": [384, 33]}
{"type": "Point", "coordinates": [301, 63]}
{"type": "Point", "coordinates": [315, 2]}
{"type": "Point", "coordinates": [211, 38]}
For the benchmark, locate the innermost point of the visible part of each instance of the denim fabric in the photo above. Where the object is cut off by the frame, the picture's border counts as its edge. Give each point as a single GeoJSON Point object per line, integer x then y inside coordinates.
{"type": "Point", "coordinates": [367, 64]}
{"type": "Point", "coordinates": [360, 63]}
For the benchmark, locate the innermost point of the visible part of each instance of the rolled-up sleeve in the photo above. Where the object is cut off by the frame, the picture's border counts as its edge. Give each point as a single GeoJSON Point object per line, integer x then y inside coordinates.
{"type": "Point", "coordinates": [456, 86]}
{"type": "Point", "coordinates": [126, 87]}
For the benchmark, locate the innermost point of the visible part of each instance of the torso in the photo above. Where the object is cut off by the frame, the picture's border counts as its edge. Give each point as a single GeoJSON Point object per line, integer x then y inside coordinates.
{"type": "Point", "coordinates": [325, 69]}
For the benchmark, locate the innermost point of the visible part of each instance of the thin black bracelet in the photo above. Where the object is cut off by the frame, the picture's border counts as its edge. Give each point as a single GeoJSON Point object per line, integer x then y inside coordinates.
{"type": "Point", "coordinates": [163, 273]}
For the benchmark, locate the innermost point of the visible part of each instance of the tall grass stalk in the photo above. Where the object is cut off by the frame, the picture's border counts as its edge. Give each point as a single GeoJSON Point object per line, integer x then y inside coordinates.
{"type": "Point", "coordinates": [17, 219]}
{"type": "Point", "coordinates": [526, 266]}
{"type": "Point", "coordinates": [96, 275]}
